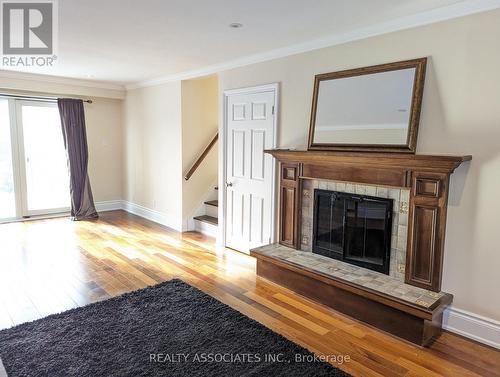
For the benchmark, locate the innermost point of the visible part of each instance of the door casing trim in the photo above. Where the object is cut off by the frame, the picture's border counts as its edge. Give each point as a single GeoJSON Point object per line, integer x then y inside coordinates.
{"type": "Point", "coordinates": [273, 87]}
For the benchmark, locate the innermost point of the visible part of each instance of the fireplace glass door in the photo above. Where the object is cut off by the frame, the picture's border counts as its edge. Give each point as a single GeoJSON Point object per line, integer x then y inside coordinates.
{"type": "Point", "coordinates": [329, 220]}
{"type": "Point", "coordinates": [353, 228]}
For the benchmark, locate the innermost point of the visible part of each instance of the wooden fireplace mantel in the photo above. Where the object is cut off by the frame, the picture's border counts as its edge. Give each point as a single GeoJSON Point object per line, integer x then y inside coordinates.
{"type": "Point", "coordinates": [426, 176]}
{"type": "Point", "coordinates": [423, 162]}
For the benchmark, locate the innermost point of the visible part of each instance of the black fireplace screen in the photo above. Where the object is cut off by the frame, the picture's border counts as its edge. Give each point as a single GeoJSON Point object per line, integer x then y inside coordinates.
{"type": "Point", "coordinates": [353, 228]}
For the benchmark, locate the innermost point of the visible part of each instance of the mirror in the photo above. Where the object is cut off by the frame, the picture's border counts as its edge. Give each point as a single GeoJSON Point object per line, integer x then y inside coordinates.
{"type": "Point", "coordinates": [368, 109]}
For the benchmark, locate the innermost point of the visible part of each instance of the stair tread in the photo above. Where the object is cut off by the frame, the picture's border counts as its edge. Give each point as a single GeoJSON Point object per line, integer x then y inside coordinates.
{"type": "Point", "coordinates": [207, 219]}
{"type": "Point", "coordinates": [214, 203]}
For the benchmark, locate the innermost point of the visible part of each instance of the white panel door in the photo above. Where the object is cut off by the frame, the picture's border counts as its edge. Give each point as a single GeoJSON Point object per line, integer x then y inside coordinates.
{"type": "Point", "coordinates": [249, 172]}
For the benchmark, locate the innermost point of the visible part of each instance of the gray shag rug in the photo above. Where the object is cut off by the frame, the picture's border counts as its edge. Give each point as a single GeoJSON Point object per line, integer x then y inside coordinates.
{"type": "Point", "coordinates": [171, 329]}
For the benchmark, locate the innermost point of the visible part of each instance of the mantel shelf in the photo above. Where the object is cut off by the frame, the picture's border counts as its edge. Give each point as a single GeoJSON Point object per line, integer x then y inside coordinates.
{"type": "Point", "coordinates": [421, 162]}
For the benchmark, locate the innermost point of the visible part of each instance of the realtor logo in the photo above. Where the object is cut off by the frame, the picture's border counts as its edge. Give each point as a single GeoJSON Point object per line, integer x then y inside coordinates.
{"type": "Point", "coordinates": [28, 29]}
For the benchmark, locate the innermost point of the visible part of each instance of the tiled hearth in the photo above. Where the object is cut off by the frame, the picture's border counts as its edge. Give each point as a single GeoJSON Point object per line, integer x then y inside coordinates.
{"type": "Point", "coordinates": [354, 274]}
{"type": "Point", "coordinates": [399, 218]}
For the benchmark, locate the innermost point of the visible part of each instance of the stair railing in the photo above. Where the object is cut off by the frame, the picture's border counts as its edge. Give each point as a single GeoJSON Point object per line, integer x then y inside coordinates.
{"type": "Point", "coordinates": [201, 158]}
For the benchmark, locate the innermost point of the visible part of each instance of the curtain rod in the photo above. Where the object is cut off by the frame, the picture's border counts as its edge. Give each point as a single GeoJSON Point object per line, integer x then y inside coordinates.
{"type": "Point", "coordinates": [36, 98]}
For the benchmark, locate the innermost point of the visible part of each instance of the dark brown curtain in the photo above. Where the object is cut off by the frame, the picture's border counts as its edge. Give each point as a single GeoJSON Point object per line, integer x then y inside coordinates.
{"type": "Point", "coordinates": [75, 141]}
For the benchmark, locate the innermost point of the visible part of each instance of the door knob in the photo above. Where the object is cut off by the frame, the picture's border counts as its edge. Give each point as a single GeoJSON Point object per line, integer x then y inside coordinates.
{"type": "Point", "coordinates": [229, 184]}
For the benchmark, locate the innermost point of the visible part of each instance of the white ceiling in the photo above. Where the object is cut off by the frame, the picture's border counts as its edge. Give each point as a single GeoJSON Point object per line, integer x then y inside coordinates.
{"type": "Point", "coordinates": [131, 41]}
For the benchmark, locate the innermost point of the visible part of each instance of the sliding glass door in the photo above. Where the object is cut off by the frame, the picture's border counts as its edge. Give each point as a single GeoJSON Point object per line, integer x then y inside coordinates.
{"type": "Point", "coordinates": [45, 180]}
{"type": "Point", "coordinates": [34, 180]}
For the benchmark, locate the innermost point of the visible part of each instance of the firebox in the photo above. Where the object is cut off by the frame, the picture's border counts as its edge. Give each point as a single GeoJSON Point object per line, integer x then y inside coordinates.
{"type": "Point", "coordinates": [353, 228]}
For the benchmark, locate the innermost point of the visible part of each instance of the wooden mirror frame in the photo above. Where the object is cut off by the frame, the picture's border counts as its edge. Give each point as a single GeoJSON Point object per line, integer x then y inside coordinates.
{"type": "Point", "coordinates": [416, 103]}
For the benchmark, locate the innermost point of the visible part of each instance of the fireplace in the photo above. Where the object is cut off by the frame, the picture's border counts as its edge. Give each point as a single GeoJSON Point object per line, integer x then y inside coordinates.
{"type": "Point", "coordinates": [353, 228]}
{"type": "Point", "coordinates": [339, 204]}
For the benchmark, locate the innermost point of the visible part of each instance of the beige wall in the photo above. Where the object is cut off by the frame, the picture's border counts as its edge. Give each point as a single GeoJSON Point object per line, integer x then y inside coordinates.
{"type": "Point", "coordinates": [460, 115]}
{"type": "Point", "coordinates": [153, 150]}
{"type": "Point", "coordinates": [166, 127]}
{"type": "Point", "coordinates": [104, 123]}
{"type": "Point", "coordinates": [199, 126]}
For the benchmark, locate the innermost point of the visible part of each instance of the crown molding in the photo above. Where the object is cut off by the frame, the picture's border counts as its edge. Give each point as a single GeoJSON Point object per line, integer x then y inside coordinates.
{"type": "Point", "coordinates": [464, 8]}
{"type": "Point", "coordinates": [59, 80]}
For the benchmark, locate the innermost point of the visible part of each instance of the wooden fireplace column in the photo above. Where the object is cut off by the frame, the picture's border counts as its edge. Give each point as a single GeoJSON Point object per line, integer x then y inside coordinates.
{"type": "Point", "coordinates": [426, 176]}
{"type": "Point", "coordinates": [290, 205]}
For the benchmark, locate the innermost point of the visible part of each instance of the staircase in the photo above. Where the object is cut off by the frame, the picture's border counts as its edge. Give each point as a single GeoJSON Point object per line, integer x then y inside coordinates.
{"type": "Point", "coordinates": [206, 220]}
{"type": "Point", "coordinates": [208, 223]}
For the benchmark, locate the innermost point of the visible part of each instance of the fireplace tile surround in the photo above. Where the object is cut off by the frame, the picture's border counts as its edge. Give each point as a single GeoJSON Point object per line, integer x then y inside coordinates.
{"type": "Point", "coordinates": [401, 197]}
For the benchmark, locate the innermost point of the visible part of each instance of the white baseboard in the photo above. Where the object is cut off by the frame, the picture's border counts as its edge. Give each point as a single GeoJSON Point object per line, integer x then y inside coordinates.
{"type": "Point", "coordinates": [147, 213]}
{"type": "Point", "coordinates": [473, 326]}
{"type": "Point", "coordinates": [161, 218]}
{"type": "Point", "coordinates": [109, 205]}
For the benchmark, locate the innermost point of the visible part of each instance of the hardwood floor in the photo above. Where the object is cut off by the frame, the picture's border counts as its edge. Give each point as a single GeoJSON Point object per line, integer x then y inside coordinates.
{"type": "Point", "coordinates": [48, 266]}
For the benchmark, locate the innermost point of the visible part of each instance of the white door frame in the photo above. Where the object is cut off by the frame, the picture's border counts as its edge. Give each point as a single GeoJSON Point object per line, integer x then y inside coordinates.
{"type": "Point", "coordinates": [274, 87]}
